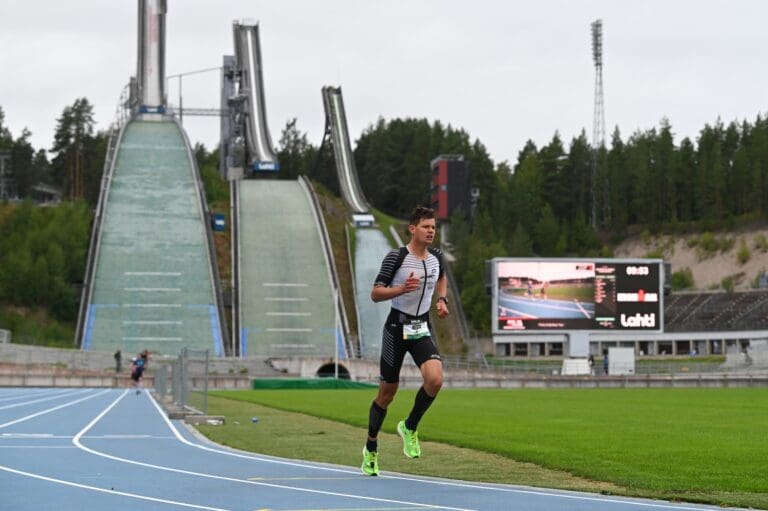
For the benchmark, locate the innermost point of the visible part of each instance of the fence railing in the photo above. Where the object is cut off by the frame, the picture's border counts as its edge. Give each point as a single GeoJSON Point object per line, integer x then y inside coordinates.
{"type": "Point", "coordinates": [554, 367]}
{"type": "Point", "coordinates": [189, 378]}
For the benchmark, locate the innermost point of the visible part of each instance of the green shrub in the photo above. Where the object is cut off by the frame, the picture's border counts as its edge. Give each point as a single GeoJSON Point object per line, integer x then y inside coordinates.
{"type": "Point", "coordinates": [656, 253]}
{"type": "Point", "coordinates": [727, 284]}
{"type": "Point", "coordinates": [682, 279]}
{"type": "Point", "coordinates": [761, 243]}
{"type": "Point", "coordinates": [726, 244]}
{"type": "Point", "coordinates": [708, 242]}
{"type": "Point", "coordinates": [743, 255]}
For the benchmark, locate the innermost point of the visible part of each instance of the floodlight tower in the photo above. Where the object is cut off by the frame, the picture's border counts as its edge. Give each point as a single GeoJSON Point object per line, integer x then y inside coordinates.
{"type": "Point", "coordinates": [598, 127]}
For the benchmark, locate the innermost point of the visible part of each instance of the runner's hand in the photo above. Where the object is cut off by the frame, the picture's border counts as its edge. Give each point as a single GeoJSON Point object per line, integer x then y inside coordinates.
{"type": "Point", "coordinates": [411, 284]}
{"type": "Point", "coordinates": [442, 309]}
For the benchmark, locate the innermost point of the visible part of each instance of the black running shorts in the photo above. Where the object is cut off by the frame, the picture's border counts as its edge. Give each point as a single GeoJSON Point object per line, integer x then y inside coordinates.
{"type": "Point", "coordinates": [394, 347]}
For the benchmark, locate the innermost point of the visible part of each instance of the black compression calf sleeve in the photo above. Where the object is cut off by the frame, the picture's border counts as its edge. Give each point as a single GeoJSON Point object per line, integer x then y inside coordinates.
{"type": "Point", "coordinates": [420, 405]}
{"type": "Point", "coordinates": [375, 419]}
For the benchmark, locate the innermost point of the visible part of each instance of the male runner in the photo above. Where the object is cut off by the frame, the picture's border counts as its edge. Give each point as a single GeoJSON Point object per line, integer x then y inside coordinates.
{"type": "Point", "coordinates": [410, 285]}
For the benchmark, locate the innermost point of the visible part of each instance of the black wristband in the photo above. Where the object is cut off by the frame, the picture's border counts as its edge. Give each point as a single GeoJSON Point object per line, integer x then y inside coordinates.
{"type": "Point", "coordinates": [443, 298]}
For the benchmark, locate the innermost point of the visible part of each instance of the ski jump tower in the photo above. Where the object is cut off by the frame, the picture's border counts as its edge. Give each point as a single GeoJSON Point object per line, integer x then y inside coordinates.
{"type": "Point", "coordinates": [150, 74]}
{"type": "Point", "coordinates": [245, 140]}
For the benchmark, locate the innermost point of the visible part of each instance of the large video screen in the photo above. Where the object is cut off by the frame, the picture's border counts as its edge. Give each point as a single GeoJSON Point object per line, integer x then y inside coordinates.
{"type": "Point", "coordinates": [577, 294]}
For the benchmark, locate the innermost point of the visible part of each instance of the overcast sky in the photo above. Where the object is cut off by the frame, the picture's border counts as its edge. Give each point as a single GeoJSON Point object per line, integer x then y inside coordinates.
{"type": "Point", "coordinates": [505, 71]}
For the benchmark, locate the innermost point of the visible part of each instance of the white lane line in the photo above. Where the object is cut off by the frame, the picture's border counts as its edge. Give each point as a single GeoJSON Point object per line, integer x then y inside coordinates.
{"type": "Point", "coordinates": [174, 339]}
{"type": "Point", "coordinates": [288, 329]}
{"type": "Point", "coordinates": [49, 410]}
{"type": "Point", "coordinates": [66, 394]}
{"type": "Point", "coordinates": [152, 305]}
{"type": "Point", "coordinates": [281, 299]}
{"type": "Point", "coordinates": [27, 435]}
{"type": "Point", "coordinates": [153, 273]}
{"type": "Point", "coordinates": [150, 322]}
{"type": "Point", "coordinates": [35, 393]}
{"type": "Point", "coordinates": [288, 313]}
{"type": "Point", "coordinates": [154, 289]}
{"type": "Point", "coordinates": [583, 311]}
{"type": "Point", "coordinates": [556, 495]}
{"type": "Point", "coordinates": [37, 447]}
{"type": "Point", "coordinates": [79, 435]}
{"type": "Point", "coordinates": [285, 284]}
{"type": "Point", "coordinates": [104, 490]}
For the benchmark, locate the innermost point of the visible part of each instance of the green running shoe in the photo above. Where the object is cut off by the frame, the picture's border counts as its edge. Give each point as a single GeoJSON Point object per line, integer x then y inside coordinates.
{"type": "Point", "coordinates": [370, 463]}
{"type": "Point", "coordinates": [411, 446]}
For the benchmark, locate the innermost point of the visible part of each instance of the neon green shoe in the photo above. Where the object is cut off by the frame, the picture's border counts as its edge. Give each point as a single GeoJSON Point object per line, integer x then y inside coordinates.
{"type": "Point", "coordinates": [370, 463]}
{"type": "Point", "coordinates": [411, 446]}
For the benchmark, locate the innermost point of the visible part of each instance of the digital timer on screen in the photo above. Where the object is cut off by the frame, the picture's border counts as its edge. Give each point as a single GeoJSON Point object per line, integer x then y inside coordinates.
{"type": "Point", "coordinates": [577, 294]}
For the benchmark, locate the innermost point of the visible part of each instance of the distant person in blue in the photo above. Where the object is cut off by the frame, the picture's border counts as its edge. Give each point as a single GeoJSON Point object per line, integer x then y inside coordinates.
{"type": "Point", "coordinates": [529, 292]}
{"type": "Point", "coordinates": [605, 361]}
{"type": "Point", "coordinates": [409, 276]}
{"type": "Point", "coordinates": [137, 371]}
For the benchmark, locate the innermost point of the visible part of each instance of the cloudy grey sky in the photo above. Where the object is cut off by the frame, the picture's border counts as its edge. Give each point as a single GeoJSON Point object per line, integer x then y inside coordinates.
{"type": "Point", "coordinates": [506, 71]}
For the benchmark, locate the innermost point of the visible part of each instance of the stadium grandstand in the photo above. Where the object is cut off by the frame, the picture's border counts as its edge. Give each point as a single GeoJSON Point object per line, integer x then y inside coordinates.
{"type": "Point", "coordinates": [700, 323]}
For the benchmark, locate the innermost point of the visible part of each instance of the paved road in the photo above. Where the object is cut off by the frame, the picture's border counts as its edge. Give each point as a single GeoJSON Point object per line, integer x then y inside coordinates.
{"type": "Point", "coordinates": [111, 449]}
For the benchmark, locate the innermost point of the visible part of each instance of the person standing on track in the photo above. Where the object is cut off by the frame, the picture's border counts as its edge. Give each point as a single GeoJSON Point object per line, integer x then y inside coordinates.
{"type": "Point", "coordinates": [409, 277]}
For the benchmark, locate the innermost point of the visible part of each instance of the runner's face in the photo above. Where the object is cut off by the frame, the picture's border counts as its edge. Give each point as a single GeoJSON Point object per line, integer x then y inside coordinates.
{"type": "Point", "coordinates": [424, 232]}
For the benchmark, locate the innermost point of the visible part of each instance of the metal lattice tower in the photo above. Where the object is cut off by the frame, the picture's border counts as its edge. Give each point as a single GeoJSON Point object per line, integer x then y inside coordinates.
{"type": "Point", "coordinates": [598, 127]}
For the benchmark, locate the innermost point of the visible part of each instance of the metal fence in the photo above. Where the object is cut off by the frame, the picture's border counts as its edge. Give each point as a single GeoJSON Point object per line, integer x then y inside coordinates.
{"type": "Point", "coordinates": [554, 367]}
{"type": "Point", "coordinates": [188, 378]}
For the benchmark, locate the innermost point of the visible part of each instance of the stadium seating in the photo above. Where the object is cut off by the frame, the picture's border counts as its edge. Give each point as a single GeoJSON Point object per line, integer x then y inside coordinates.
{"type": "Point", "coordinates": [715, 311]}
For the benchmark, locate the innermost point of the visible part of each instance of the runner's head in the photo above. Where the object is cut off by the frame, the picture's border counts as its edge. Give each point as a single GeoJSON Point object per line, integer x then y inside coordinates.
{"type": "Point", "coordinates": [422, 225]}
{"type": "Point", "coordinates": [420, 213]}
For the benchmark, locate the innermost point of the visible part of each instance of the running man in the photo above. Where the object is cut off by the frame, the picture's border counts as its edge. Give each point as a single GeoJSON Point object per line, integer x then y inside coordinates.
{"type": "Point", "coordinates": [408, 276]}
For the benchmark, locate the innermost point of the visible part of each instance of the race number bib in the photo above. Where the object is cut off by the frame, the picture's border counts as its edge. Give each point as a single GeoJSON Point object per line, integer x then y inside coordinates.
{"type": "Point", "coordinates": [415, 330]}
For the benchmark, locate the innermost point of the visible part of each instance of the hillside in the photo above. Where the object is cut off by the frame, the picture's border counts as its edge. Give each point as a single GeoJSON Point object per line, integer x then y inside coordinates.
{"type": "Point", "coordinates": [741, 254]}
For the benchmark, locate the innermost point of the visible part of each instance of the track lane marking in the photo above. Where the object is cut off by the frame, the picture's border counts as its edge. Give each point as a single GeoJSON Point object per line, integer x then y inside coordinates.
{"type": "Point", "coordinates": [42, 399]}
{"type": "Point", "coordinates": [104, 490]}
{"type": "Point", "coordinates": [81, 433]}
{"type": "Point", "coordinates": [16, 396]}
{"type": "Point", "coordinates": [49, 410]}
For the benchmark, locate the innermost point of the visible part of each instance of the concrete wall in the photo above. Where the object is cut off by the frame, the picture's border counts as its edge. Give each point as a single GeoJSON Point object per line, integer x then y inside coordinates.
{"type": "Point", "coordinates": [410, 377]}
{"type": "Point", "coordinates": [22, 366]}
{"type": "Point", "coordinates": [78, 360]}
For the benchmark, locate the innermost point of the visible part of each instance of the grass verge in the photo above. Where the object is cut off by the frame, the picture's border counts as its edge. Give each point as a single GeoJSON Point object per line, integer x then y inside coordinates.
{"type": "Point", "coordinates": [676, 444]}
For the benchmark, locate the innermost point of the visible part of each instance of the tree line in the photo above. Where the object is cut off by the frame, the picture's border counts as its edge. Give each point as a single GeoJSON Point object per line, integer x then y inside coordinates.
{"type": "Point", "coordinates": [557, 200]}
{"type": "Point", "coordinates": [43, 254]}
{"type": "Point", "coordinates": [43, 250]}
{"type": "Point", "coordinates": [76, 156]}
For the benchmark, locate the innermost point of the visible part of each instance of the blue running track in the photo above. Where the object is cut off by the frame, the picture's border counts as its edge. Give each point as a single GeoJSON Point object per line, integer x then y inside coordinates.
{"type": "Point", "coordinates": [111, 449]}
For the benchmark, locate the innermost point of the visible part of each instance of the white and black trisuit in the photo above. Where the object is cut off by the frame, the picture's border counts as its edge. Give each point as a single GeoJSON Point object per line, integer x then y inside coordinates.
{"type": "Point", "coordinates": [408, 308]}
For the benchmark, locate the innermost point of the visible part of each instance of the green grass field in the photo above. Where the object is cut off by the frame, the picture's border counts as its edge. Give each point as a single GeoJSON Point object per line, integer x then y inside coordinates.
{"type": "Point", "coordinates": [702, 445]}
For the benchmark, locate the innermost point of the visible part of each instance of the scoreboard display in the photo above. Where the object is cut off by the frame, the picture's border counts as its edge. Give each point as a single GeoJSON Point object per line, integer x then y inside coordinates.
{"type": "Point", "coordinates": [577, 294]}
